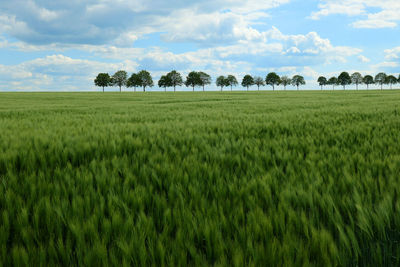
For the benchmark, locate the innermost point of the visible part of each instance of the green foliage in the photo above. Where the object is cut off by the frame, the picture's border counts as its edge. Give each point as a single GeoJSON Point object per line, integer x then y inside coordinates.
{"type": "Point", "coordinates": [285, 81]}
{"type": "Point", "coordinates": [380, 79]}
{"type": "Point", "coordinates": [298, 80]}
{"type": "Point", "coordinates": [391, 80]}
{"type": "Point", "coordinates": [272, 79]}
{"type": "Point", "coordinates": [356, 78]}
{"type": "Point", "coordinates": [134, 81]}
{"type": "Point", "coordinates": [344, 79]}
{"type": "Point", "coordinates": [119, 79]}
{"type": "Point", "coordinates": [145, 79]}
{"type": "Point", "coordinates": [259, 82]}
{"type": "Point", "coordinates": [164, 82]}
{"type": "Point", "coordinates": [232, 81]}
{"type": "Point", "coordinates": [175, 79]}
{"type": "Point", "coordinates": [205, 79]}
{"type": "Point", "coordinates": [193, 79]}
{"type": "Point", "coordinates": [333, 81]}
{"type": "Point", "coordinates": [368, 79]}
{"type": "Point", "coordinates": [227, 179]}
{"type": "Point", "coordinates": [103, 80]}
{"type": "Point", "coordinates": [222, 81]}
{"type": "Point", "coordinates": [247, 81]}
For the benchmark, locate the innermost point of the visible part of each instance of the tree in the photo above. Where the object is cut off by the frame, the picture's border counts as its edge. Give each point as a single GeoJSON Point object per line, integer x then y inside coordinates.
{"type": "Point", "coordinates": [380, 78]}
{"type": "Point", "coordinates": [146, 79]}
{"type": "Point", "coordinates": [175, 78]}
{"type": "Point", "coordinates": [193, 79]}
{"type": "Point", "coordinates": [298, 80]}
{"type": "Point", "coordinates": [322, 81]}
{"type": "Point", "coordinates": [391, 80]}
{"type": "Point", "coordinates": [221, 82]}
{"type": "Point", "coordinates": [119, 79]}
{"type": "Point", "coordinates": [247, 81]}
{"type": "Point", "coordinates": [259, 82]}
{"type": "Point", "coordinates": [344, 79]}
{"type": "Point", "coordinates": [205, 79]}
{"type": "Point", "coordinates": [368, 79]}
{"type": "Point", "coordinates": [102, 80]}
{"type": "Point", "coordinates": [272, 79]}
{"type": "Point", "coordinates": [356, 78]}
{"type": "Point", "coordinates": [333, 81]}
{"type": "Point", "coordinates": [285, 81]}
{"type": "Point", "coordinates": [134, 81]}
{"type": "Point", "coordinates": [232, 81]}
{"type": "Point", "coordinates": [164, 82]}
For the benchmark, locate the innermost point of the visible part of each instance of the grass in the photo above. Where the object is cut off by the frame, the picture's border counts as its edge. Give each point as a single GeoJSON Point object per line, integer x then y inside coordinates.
{"type": "Point", "coordinates": [242, 179]}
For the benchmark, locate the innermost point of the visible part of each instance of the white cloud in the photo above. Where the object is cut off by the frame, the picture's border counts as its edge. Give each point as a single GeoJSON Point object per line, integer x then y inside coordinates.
{"type": "Point", "coordinates": [393, 53]}
{"type": "Point", "coordinates": [387, 16]}
{"type": "Point", "coordinates": [363, 59]}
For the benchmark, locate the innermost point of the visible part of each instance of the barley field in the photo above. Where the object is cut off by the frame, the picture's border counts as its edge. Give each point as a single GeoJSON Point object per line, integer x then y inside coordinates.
{"type": "Point", "coordinates": [200, 179]}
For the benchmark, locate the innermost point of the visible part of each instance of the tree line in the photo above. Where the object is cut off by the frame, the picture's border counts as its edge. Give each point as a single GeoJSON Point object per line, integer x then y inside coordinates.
{"type": "Point", "coordinates": [194, 79]}
{"type": "Point", "coordinates": [143, 79]}
{"type": "Point", "coordinates": [357, 79]}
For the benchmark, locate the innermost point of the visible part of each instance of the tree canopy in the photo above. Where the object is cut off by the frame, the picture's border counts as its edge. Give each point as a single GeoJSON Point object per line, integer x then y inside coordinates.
{"type": "Point", "coordinates": [356, 78]}
{"type": "Point", "coordinates": [175, 78]}
{"type": "Point", "coordinates": [221, 82]}
{"type": "Point", "coordinates": [232, 81]}
{"type": "Point", "coordinates": [193, 79]}
{"type": "Point", "coordinates": [146, 79]}
{"type": "Point", "coordinates": [391, 80]}
{"type": "Point", "coordinates": [119, 79]}
{"type": "Point", "coordinates": [344, 79]}
{"type": "Point", "coordinates": [103, 80]}
{"type": "Point", "coordinates": [205, 79]}
{"type": "Point", "coordinates": [285, 81]}
{"type": "Point", "coordinates": [134, 81]}
{"type": "Point", "coordinates": [247, 81]}
{"type": "Point", "coordinates": [298, 80]}
{"type": "Point", "coordinates": [322, 81]}
{"type": "Point", "coordinates": [259, 82]}
{"type": "Point", "coordinates": [380, 79]}
{"type": "Point", "coordinates": [164, 82]}
{"type": "Point", "coordinates": [272, 79]}
{"type": "Point", "coordinates": [368, 79]}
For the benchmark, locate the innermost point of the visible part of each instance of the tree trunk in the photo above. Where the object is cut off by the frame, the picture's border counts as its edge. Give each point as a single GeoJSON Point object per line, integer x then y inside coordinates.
{"type": "Point", "coordinates": [144, 88]}
{"type": "Point", "coordinates": [165, 89]}
{"type": "Point", "coordinates": [321, 87]}
{"type": "Point", "coordinates": [357, 86]}
{"type": "Point", "coordinates": [203, 88]}
{"type": "Point", "coordinates": [120, 90]}
{"type": "Point", "coordinates": [297, 88]}
{"type": "Point", "coordinates": [174, 88]}
{"type": "Point", "coordinates": [258, 87]}
{"type": "Point", "coordinates": [193, 88]}
{"type": "Point", "coordinates": [273, 87]}
{"type": "Point", "coordinates": [247, 88]}
{"type": "Point", "coordinates": [103, 89]}
{"type": "Point", "coordinates": [231, 88]}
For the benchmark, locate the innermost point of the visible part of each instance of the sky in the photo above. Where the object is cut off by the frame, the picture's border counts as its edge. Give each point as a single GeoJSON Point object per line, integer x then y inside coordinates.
{"type": "Point", "coordinates": [48, 45]}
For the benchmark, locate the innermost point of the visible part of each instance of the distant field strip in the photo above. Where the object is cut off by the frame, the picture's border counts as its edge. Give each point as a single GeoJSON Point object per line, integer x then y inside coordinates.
{"type": "Point", "coordinates": [200, 179]}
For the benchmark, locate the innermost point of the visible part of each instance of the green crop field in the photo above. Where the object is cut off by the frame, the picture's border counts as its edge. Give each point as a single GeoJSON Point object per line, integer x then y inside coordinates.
{"type": "Point", "coordinates": [200, 179]}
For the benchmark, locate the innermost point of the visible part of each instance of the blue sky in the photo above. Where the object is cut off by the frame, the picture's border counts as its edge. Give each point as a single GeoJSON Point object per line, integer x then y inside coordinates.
{"type": "Point", "coordinates": [48, 45]}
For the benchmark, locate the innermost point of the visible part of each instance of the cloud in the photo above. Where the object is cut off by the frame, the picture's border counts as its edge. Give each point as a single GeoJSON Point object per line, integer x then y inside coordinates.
{"type": "Point", "coordinates": [387, 16]}
{"type": "Point", "coordinates": [122, 22]}
{"type": "Point", "coordinates": [363, 59]}
{"type": "Point", "coordinates": [393, 53]}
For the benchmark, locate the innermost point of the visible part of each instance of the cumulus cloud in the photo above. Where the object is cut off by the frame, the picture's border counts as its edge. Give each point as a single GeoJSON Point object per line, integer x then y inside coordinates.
{"type": "Point", "coordinates": [122, 22]}
{"type": "Point", "coordinates": [387, 16]}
